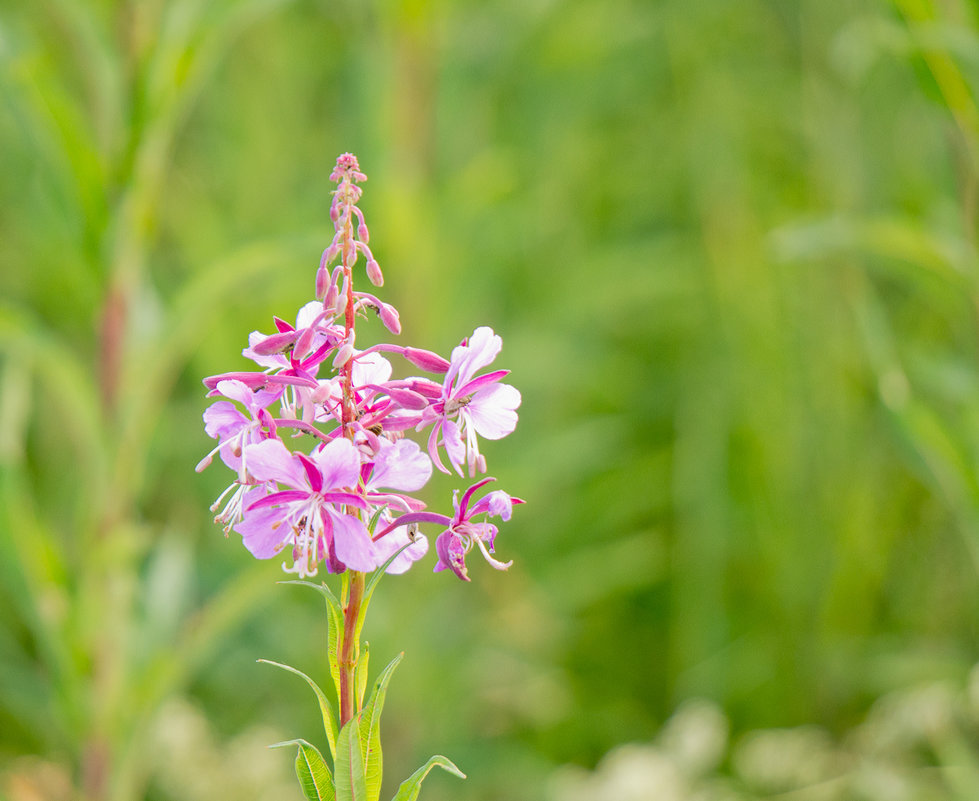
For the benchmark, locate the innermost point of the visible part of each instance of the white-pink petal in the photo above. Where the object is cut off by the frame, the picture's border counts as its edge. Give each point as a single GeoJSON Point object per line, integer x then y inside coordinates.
{"type": "Point", "coordinates": [493, 410]}
{"type": "Point", "coordinates": [455, 448]}
{"type": "Point", "coordinates": [482, 348]}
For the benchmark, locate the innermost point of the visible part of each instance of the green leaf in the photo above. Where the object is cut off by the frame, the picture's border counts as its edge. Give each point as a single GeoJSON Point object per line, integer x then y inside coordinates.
{"type": "Point", "coordinates": [370, 730]}
{"type": "Point", "coordinates": [326, 708]}
{"type": "Point", "coordinates": [335, 614]}
{"type": "Point", "coordinates": [409, 789]}
{"type": "Point", "coordinates": [349, 766]}
{"type": "Point", "coordinates": [360, 673]}
{"type": "Point", "coordinates": [312, 770]}
{"type": "Point", "coordinates": [314, 775]}
{"type": "Point", "coordinates": [323, 590]}
{"type": "Point", "coordinates": [369, 590]}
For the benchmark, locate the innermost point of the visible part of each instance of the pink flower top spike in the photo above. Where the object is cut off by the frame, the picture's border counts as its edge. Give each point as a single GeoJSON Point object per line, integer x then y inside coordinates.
{"type": "Point", "coordinates": [315, 433]}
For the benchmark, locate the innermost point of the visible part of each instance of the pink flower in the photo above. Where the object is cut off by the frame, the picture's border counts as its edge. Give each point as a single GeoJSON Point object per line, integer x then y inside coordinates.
{"type": "Point", "coordinates": [462, 532]}
{"type": "Point", "coordinates": [233, 430]}
{"type": "Point", "coordinates": [311, 515]}
{"type": "Point", "coordinates": [471, 406]}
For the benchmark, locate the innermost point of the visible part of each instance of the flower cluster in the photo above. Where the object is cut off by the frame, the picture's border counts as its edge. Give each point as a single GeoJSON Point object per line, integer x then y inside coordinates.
{"type": "Point", "coordinates": [316, 435]}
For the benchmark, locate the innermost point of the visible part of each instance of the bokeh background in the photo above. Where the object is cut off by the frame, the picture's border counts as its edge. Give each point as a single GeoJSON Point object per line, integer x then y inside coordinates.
{"type": "Point", "coordinates": [731, 250]}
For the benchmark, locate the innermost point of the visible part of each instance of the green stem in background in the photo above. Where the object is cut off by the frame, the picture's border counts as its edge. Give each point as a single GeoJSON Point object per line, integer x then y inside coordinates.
{"type": "Point", "coordinates": [348, 649]}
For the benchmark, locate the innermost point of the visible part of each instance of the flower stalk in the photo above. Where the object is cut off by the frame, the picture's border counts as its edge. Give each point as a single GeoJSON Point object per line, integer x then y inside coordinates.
{"type": "Point", "coordinates": [339, 491]}
{"type": "Point", "coordinates": [348, 647]}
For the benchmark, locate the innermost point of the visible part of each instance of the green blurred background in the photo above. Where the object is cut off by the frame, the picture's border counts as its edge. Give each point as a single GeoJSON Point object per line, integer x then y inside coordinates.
{"type": "Point", "coordinates": [731, 250]}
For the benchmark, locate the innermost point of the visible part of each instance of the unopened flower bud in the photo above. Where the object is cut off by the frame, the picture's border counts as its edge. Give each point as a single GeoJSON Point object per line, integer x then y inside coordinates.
{"type": "Point", "coordinates": [349, 254]}
{"type": "Point", "coordinates": [334, 210]}
{"type": "Point", "coordinates": [390, 317]}
{"type": "Point", "coordinates": [322, 282]}
{"type": "Point", "coordinates": [363, 234]}
{"type": "Point", "coordinates": [345, 352]}
{"type": "Point", "coordinates": [406, 398]}
{"type": "Point", "coordinates": [426, 360]}
{"type": "Point", "coordinates": [374, 273]}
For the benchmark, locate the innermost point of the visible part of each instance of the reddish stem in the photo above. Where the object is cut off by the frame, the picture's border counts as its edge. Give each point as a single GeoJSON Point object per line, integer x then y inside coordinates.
{"type": "Point", "coordinates": [347, 647]}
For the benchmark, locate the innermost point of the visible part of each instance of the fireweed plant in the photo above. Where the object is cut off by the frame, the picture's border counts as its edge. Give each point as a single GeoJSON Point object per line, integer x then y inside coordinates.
{"type": "Point", "coordinates": [324, 475]}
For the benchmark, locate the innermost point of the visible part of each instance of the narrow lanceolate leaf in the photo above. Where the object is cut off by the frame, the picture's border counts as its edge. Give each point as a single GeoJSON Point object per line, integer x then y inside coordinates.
{"type": "Point", "coordinates": [335, 615]}
{"type": "Point", "coordinates": [409, 789]}
{"type": "Point", "coordinates": [370, 730]}
{"type": "Point", "coordinates": [372, 584]}
{"type": "Point", "coordinates": [314, 775]}
{"type": "Point", "coordinates": [331, 599]}
{"type": "Point", "coordinates": [326, 708]}
{"type": "Point", "coordinates": [349, 765]}
{"type": "Point", "coordinates": [360, 673]}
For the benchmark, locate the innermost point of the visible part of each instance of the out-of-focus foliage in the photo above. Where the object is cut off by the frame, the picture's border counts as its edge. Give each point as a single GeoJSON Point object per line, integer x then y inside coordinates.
{"type": "Point", "coordinates": [730, 248]}
{"type": "Point", "coordinates": [916, 743]}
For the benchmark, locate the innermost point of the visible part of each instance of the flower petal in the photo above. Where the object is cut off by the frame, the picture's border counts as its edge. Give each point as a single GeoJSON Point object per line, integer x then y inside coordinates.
{"type": "Point", "coordinates": [455, 448]}
{"type": "Point", "coordinates": [352, 543]}
{"type": "Point", "coordinates": [264, 532]}
{"type": "Point", "coordinates": [492, 410]}
{"type": "Point", "coordinates": [270, 460]}
{"type": "Point", "coordinates": [339, 462]}
{"type": "Point", "coordinates": [223, 420]}
{"type": "Point", "coordinates": [480, 350]}
{"type": "Point", "coordinates": [400, 465]}
{"type": "Point", "coordinates": [417, 548]}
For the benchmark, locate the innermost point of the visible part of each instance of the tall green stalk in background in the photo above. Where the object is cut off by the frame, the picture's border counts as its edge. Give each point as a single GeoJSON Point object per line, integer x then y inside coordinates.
{"type": "Point", "coordinates": [102, 124]}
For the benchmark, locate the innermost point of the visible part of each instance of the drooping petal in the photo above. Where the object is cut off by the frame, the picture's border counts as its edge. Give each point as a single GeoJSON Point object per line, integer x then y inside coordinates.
{"type": "Point", "coordinates": [452, 554]}
{"type": "Point", "coordinates": [400, 465]}
{"type": "Point", "coordinates": [270, 460]}
{"type": "Point", "coordinates": [339, 462]}
{"type": "Point", "coordinates": [353, 543]}
{"type": "Point", "coordinates": [455, 448]}
{"type": "Point", "coordinates": [493, 410]}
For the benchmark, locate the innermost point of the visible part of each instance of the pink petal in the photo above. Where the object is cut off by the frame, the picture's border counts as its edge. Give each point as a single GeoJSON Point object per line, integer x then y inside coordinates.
{"type": "Point", "coordinates": [352, 543]}
{"type": "Point", "coordinates": [396, 540]}
{"type": "Point", "coordinates": [235, 390]}
{"type": "Point", "coordinates": [264, 532]}
{"type": "Point", "coordinates": [270, 460]}
{"type": "Point", "coordinates": [223, 420]}
{"type": "Point", "coordinates": [339, 462]}
{"type": "Point", "coordinates": [401, 465]}
{"type": "Point", "coordinates": [455, 448]}
{"type": "Point", "coordinates": [492, 410]}
{"type": "Point", "coordinates": [482, 347]}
